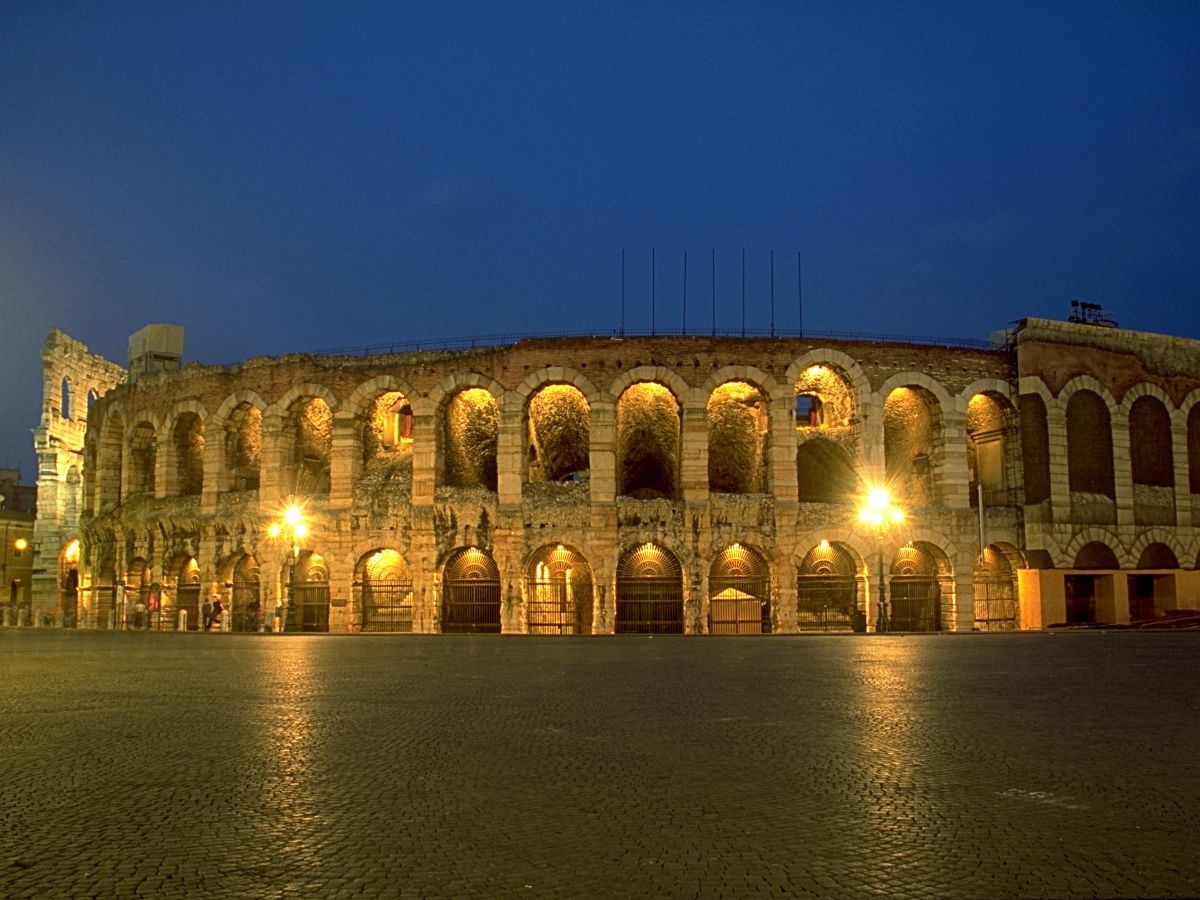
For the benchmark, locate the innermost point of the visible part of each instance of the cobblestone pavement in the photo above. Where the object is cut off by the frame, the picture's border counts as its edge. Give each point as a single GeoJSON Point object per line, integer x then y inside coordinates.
{"type": "Point", "coordinates": [327, 766]}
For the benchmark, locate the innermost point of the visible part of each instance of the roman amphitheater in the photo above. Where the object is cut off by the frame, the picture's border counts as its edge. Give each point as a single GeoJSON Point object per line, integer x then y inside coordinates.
{"type": "Point", "coordinates": [600, 485]}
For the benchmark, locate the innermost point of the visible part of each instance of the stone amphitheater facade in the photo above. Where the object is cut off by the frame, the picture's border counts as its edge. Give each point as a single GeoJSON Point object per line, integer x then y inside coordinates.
{"type": "Point", "coordinates": [635, 484]}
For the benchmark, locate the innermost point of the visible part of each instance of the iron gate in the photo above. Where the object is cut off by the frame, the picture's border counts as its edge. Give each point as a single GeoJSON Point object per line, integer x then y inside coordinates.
{"type": "Point", "coordinates": [916, 603]}
{"type": "Point", "coordinates": [311, 602]}
{"type": "Point", "coordinates": [649, 605]}
{"type": "Point", "coordinates": [558, 607]}
{"type": "Point", "coordinates": [471, 605]}
{"type": "Point", "coordinates": [247, 605]}
{"type": "Point", "coordinates": [386, 604]}
{"type": "Point", "coordinates": [995, 604]}
{"type": "Point", "coordinates": [738, 604]}
{"type": "Point", "coordinates": [828, 603]}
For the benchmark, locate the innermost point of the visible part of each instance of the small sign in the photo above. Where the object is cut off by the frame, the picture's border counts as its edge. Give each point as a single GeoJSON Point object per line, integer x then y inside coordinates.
{"type": "Point", "coordinates": [338, 601]}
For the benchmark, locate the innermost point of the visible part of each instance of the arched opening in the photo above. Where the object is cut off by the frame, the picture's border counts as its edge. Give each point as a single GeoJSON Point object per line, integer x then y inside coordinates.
{"type": "Point", "coordinates": [738, 431]}
{"type": "Point", "coordinates": [1152, 596]}
{"type": "Point", "coordinates": [824, 473]}
{"type": "Point", "coordinates": [100, 597]}
{"type": "Point", "coordinates": [74, 487]}
{"type": "Point", "coordinates": [91, 400]}
{"type": "Point", "coordinates": [1090, 459]}
{"type": "Point", "coordinates": [185, 599]}
{"type": "Point", "coordinates": [916, 588]}
{"type": "Point", "coordinates": [384, 591]}
{"type": "Point", "coordinates": [1089, 597]}
{"type": "Point", "coordinates": [912, 439]}
{"type": "Point", "coordinates": [648, 424]}
{"type": "Point", "coordinates": [68, 580]}
{"type": "Point", "coordinates": [1152, 462]}
{"type": "Point", "coordinates": [1193, 448]}
{"type": "Point", "coordinates": [310, 592]}
{"type": "Point", "coordinates": [64, 400]}
{"type": "Point", "coordinates": [243, 447]}
{"type": "Point", "coordinates": [1035, 449]}
{"type": "Point", "coordinates": [245, 599]}
{"type": "Point", "coordinates": [387, 440]}
{"type": "Point", "coordinates": [995, 592]}
{"type": "Point", "coordinates": [557, 435]}
{"type": "Point", "coordinates": [143, 451]}
{"type": "Point", "coordinates": [991, 457]}
{"type": "Point", "coordinates": [470, 436]}
{"type": "Point", "coordinates": [824, 399]}
{"type": "Point", "coordinates": [309, 433]}
{"type": "Point", "coordinates": [471, 593]}
{"type": "Point", "coordinates": [558, 592]}
{"type": "Point", "coordinates": [739, 592]}
{"type": "Point", "coordinates": [138, 583]}
{"type": "Point", "coordinates": [649, 592]}
{"type": "Point", "coordinates": [827, 590]}
{"type": "Point", "coordinates": [188, 439]}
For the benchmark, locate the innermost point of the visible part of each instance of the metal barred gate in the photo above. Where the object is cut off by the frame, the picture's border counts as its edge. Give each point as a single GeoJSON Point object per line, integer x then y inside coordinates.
{"type": "Point", "coordinates": [311, 599]}
{"type": "Point", "coordinates": [649, 592]}
{"type": "Point", "coordinates": [471, 594]}
{"type": "Point", "coordinates": [995, 604]}
{"type": "Point", "coordinates": [827, 603]}
{"type": "Point", "coordinates": [386, 605]}
{"type": "Point", "coordinates": [916, 603]}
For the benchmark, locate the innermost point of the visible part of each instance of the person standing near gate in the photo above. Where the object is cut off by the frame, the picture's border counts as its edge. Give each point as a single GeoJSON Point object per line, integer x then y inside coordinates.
{"type": "Point", "coordinates": [217, 609]}
{"type": "Point", "coordinates": [206, 610]}
{"type": "Point", "coordinates": [279, 617]}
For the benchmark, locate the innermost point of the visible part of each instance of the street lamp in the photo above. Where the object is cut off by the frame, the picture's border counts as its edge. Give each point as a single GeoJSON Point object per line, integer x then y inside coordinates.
{"type": "Point", "coordinates": [879, 513]}
{"type": "Point", "coordinates": [294, 529]}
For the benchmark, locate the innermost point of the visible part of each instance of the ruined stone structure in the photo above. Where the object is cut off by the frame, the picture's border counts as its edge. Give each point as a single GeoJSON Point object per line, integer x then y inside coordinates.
{"type": "Point", "coordinates": [641, 484]}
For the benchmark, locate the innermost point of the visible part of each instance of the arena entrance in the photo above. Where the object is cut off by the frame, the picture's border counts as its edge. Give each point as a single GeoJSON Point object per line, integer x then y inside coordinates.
{"type": "Point", "coordinates": [916, 592]}
{"type": "Point", "coordinates": [827, 595]}
{"type": "Point", "coordinates": [995, 592]}
{"type": "Point", "coordinates": [558, 592]}
{"type": "Point", "coordinates": [471, 593]}
{"type": "Point", "coordinates": [310, 593]}
{"type": "Point", "coordinates": [245, 596]}
{"type": "Point", "coordinates": [384, 592]}
{"type": "Point", "coordinates": [739, 593]}
{"type": "Point", "coordinates": [649, 592]}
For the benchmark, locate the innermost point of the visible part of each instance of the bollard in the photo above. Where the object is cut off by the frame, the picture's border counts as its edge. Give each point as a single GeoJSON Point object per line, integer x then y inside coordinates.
{"type": "Point", "coordinates": [112, 620]}
{"type": "Point", "coordinates": [183, 620]}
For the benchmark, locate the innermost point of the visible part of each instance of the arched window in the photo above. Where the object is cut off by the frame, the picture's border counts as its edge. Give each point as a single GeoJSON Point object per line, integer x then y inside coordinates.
{"type": "Point", "coordinates": [1090, 459]}
{"type": "Point", "coordinates": [64, 406]}
{"type": "Point", "coordinates": [648, 440]}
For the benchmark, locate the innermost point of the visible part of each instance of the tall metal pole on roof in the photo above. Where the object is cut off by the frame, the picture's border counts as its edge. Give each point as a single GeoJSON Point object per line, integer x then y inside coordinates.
{"type": "Point", "coordinates": [743, 292]}
{"type": "Point", "coordinates": [622, 291]}
{"type": "Point", "coordinates": [653, 289]}
{"type": "Point", "coordinates": [772, 293]}
{"type": "Point", "coordinates": [799, 293]}
{"type": "Point", "coordinates": [685, 292]}
{"type": "Point", "coordinates": [714, 291]}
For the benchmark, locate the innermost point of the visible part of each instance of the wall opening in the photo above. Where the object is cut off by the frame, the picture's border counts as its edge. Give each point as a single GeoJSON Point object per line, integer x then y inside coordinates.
{"type": "Point", "coordinates": [1152, 462]}
{"type": "Point", "coordinates": [648, 424]}
{"type": "Point", "coordinates": [1090, 459]}
{"type": "Point", "coordinates": [739, 592]}
{"type": "Point", "coordinates": [557, 435]}
{"type": "Point", "coordinates": [384, 592]}
{"type": "Point", "coordinates": [738, 433]}
{"type": "Point", "coordinates": [471, 432]}
{"type": "Point", "coordinates": [243, 447]}
{"type": "Point", "coordinates": [471, 593]}
{"type": "Point", "coordinates": [558, 592]}
{"type": "Point", "coordinates": [649, 592]}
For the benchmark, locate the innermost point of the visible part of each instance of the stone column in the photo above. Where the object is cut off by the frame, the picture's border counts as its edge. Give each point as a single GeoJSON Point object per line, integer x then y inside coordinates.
{"type": "Point", "coordinates": [693, 450]}
{"type": "Point", "coordinates": [1122, 471]}
{"type": "Point", "coordinates": [425, 457]}
{"type": "Point", "coordinates": [781, 452]}
{"type": "Point", "coordinates": [1183, 496]}
{"type": "Point", "coordinates": [602, 452]}
{"type": "Point", "coordinates": [510, 450]}
{"type": "Point", "coordinates": [954, 474]}
{"type": "Point", "coordinates": [345, 464]}
{"type": "Point", "coordinates": [275, 471]}
{"type": "Point", "coordinates": [1060, 480]}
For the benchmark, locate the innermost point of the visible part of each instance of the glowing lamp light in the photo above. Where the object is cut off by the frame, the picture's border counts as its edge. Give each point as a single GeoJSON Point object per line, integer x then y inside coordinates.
{"type": "Point", "coordinates": [21, 544]}
{"type": "Point", "coordinates": [72, 553]}
{"type": "Point", "coordinates": [292, 515]}
{"type": "Point", "coordinates": [300, 530]}
{"type": "Point", "coordinates": [274, 530]}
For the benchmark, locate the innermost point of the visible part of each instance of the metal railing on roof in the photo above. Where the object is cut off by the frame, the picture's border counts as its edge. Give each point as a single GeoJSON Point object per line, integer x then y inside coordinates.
{"type": "Point", "coordinates": [504, 340]}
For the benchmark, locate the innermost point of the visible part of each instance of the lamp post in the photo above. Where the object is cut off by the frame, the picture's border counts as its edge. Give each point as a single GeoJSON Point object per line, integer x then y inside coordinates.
{"type": "Point", "coordinates": [879, 513]}
{"type": "Point", "coordinates": [294, 529]}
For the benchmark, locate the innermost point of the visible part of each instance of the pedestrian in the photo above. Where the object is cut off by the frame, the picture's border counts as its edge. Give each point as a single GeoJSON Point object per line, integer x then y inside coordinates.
{"type": "Point", "coordinates": [217, 609]}
{"type": "Point", "coordinates": [206, 610]}
{"type": "Point", "coordinates": [253, 615]}
{"type": "Point", "coordinates": [278, 616]}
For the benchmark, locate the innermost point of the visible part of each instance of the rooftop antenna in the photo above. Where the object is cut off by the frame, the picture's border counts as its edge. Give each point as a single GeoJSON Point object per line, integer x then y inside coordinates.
{"type": "Point", "coordinates": [653, 289]}
{"type": "Point", "coordinates": [772, 293]}
{"type": "Point", "coordinates": [714, 291]}
{"type": "Point", "coordinates": [622, 291]}
{"type": "Point", "coordinates": [743, 292]}
{"type": "Point", "coordinates": [685, 291]}
{"type": "Point", "coordinates": [799, 293]}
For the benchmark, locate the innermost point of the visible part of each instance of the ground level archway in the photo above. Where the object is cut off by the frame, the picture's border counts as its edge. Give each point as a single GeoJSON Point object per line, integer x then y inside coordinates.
{"type": "Point", "coordinates": [649, 592]}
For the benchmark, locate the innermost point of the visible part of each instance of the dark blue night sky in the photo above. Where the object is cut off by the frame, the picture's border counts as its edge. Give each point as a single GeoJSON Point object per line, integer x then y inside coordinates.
{"type": "Point", "coordinates": [287, 177]}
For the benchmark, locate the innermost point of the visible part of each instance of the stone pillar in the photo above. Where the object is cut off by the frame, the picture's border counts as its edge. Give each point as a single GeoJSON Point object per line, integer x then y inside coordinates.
{"type": "Point", "coordinates": [602, 452]}
{"type": "Point", "coordinates": [1122, 470]}
{"type": "Point", "coordinates": [1060, 480]}
{"type": "Point", "coordinates": [781, 452]}
{"type": "Point", "coordinates": [510, 450]}
{"type": "Point", "coordinates": [345, 464]}
{"type": "Point", "coordinates": [954, 474]}
{"type": "Point", "coordinates": [425, 457]}
{"type": "Point", "coordinates": [693, 450]}
{"type": "Point", "coordinates": [1183, 497]}
{"type": "Point", "coordinates": [783, 592]}
{"type": "Point", "coordinates": [275, 471]}
{"type": "Point", "coordinates": [874, 463]}
{"type": "Point", "coordinates": [214, 470]}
